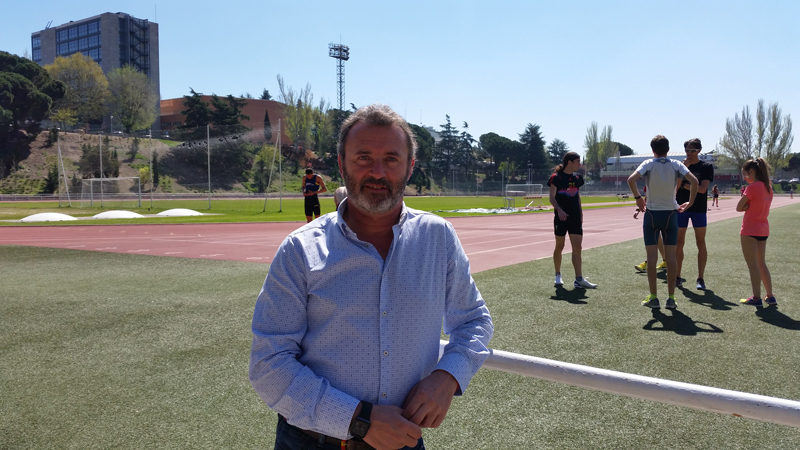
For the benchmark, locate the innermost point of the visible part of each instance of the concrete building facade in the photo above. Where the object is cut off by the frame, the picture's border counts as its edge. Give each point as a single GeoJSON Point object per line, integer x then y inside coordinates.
{"type": "Point", "coordinates": [113, 40]}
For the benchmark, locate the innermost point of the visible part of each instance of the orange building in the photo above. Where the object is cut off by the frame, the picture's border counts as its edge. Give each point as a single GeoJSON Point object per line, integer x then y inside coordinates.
{"type": "Point", "coordinates": [258, 110]}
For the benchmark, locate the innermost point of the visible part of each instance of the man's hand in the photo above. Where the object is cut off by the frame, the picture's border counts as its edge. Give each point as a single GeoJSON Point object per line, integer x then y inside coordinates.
{"type": "Point", "coordinates": [390, 430]}
{"type": "Point", "coordinates": [427, 403]}
{"type": "Point", "coordinates": [562, 216]}
{"type": "Point", "coordinates": [640, 203]}
{"type": "Point", "coordinates": [684, 207]}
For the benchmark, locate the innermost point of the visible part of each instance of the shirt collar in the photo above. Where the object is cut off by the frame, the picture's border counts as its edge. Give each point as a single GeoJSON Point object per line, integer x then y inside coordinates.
{"type": "Point", "coordinates": [404, 213]}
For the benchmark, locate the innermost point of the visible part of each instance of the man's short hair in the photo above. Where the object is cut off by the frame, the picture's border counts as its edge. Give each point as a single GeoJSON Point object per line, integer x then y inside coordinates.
{"type": "Point", "coordinates": [380, 115]}
{"type": "Point", "coordinates": [693, 143]}
{"type": "Point", "coordinates": [309, 171]}
{"type": "Point", "coordinates": [660, 145]}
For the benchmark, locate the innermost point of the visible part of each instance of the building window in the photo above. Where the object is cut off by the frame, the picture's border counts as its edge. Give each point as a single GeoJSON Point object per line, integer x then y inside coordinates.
{"type": "Point", "coordinates": [73, 32]}
{"type": "Point", "coordinates": [63, 35]}
{"type": "Point", "coordinates": [37, 55]}
{"type": "Point", "coordinates": [73, 46]}
{"type": "Point", "coordinates": [83, 43]}
{"type": "Point", "coordinates": [36, 42]}
{"type": "Point", "coordinates": [94, 41]}
{"type": "Point", "coordinates": [63, 49]}
{"type": "Point", "coordinates": [93, 27]}
{"type": "Point", "coordinates": [83, 30]}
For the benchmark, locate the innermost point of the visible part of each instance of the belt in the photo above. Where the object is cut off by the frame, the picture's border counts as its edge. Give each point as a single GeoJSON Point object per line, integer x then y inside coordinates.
{"type": "Point", "coordinates": [342, 444]}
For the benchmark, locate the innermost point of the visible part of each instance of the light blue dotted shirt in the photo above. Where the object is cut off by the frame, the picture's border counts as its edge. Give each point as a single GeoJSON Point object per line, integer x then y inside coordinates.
{"type": "Point", "coordinates": [335, 324]}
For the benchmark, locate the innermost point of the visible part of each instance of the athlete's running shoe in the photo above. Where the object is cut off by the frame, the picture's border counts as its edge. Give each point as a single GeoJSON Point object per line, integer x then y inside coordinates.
{"type": "Point", "coordinates": [584, 284]}
{"type": "Point", "coordinates": [771, 300]}
{"type": "Point", "coordinates": [670, 303]}
{"type": "Point", "coordinates": [641, 267]}
{"type": "Point", "coordinates": [753, 301]}
{"type": "Point", "coordinates": [559, 281]}
{"type": "Point", "coordinates": [662, 266]}
{"type": "Point", "coordinates": [701, 284]}
{"type": "Point", "coordinates": [679, 281]}
{"type": "Point", "coordinates": [651, 301]}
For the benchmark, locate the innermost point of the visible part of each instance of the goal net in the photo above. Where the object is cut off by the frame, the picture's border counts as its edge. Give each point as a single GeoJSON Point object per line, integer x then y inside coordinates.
{"type": "Point", "coordinates": [532, 193]}
{"type": "Point", "coordinates": [120, 192]}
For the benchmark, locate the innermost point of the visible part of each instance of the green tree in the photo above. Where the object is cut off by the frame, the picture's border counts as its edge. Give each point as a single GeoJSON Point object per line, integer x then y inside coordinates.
{"type": "Point", "coordinates": [265, 95]}
{"type": "Point", "coordinates": [624, 150]}
{"type": "Point", "coordinates": [134, 149]}
{"type": "Point", "coordinates": [144, 175]}
{"type": "Point", "coordinates": [556, 151]}
{"type": "Point", "coordinates": [448, 146]}
{"type": "Point", "coordinates": [227, 116]}
{"type": "Point", "coordinates": [262, 166]}
{"type": "Point", "coordinates": [533, 150]}
{"type": "Point", "coordinates": [591, 144]}
{"type": "Point", "coordinates": [607, 148]}
{"type": "Point", "coordinates": [86, 86]}
{"type": "Point", "coordinates": [64, 116]}
{"type": "Point", "coordinates": [771, 138]}
{"type": "Point", "coordinates": [133, 98]}
{"type": "Point", "coordinates": [298, 113]}
{"type": "Point", "coordinates": [89, 164]}
{"type": "Point", "coordinates": [51, 182]}
{"type": "Point", "coordinates": [197, 113]}
{"type": "Point", "coordinates": [27, 93]}
{"type": "Point", "coordinates": [425, 144]}
{"type": "Point", "coordinates": [466, 151]}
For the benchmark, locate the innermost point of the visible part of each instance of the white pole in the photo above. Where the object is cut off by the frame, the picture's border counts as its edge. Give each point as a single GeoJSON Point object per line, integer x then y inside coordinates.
{"type": "Point", "coordinates": [152, 180]}
{"type": "Point", "coordinates": [101, 170]}
{"type": "Point", "coordinates": [724, 401]}
{"type": "Point", "coordinates": [208, 148]}
{"type": "Point", "coordinates": [64, 172]}
{"type": "Point", "coordinates": [280, 170]}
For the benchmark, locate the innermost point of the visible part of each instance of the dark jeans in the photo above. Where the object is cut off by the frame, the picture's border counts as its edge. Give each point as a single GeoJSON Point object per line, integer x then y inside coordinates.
{"type": "Point", "coordinates": [288, 437]}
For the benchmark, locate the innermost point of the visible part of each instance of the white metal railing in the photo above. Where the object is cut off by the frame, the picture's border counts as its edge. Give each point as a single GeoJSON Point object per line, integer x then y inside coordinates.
{"type": "Point", "coordinates": [740, 404]}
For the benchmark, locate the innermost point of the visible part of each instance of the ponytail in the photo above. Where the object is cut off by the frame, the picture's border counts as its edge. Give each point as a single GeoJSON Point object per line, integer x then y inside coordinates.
{"type": "Point", "coordinates": [568, 157]}
{"type": "Point", "coordinates": [761, 170]}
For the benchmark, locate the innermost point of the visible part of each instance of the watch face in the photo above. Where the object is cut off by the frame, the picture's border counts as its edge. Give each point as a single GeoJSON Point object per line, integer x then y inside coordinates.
{"type": "Point", "coordinates": [360, 427]}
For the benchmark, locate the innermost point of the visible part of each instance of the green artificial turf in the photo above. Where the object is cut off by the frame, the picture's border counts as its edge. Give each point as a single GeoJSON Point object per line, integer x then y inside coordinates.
{"type": "Point", "coordinates": [102, 350]}
{"type": "Point", "coordinates": [253, 210]}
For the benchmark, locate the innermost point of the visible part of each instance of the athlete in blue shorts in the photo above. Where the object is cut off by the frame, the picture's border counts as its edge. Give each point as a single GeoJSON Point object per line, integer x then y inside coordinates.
{"type": "Point", "coordinates": [661, 176]}
{"type": "Point", "coordinates": [697, 213]}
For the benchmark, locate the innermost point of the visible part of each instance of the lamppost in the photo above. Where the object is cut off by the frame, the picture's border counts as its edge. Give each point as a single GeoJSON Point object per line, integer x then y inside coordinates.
{"type": "Point", "coordinates": [529, 171]}
{"type": "Point", "coordinates": [112, 126]}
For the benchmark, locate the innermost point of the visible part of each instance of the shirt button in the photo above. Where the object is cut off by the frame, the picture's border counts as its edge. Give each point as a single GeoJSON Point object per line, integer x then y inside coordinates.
{"type": "Point", "coordinates": [385, 353]}
{"type": "Point", "coordinates": [384, 313]}
{"type": "Point", "coordinates": [383, 395]}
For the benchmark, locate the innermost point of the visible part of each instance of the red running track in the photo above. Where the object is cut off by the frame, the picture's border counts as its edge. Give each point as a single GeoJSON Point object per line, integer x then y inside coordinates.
{"type": "Point", "coordinates": [489, 241]}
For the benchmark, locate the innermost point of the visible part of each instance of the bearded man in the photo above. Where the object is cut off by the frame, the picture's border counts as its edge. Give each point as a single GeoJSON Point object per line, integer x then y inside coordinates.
{"type": "Point", "coordinates": [346, 327]}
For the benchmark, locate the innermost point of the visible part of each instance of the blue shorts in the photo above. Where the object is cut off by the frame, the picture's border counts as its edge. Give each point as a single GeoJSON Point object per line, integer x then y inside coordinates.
{"type": "Point", "coordinates": [664, 223]}
{"type": "Point", "coordinates": [699, 220]}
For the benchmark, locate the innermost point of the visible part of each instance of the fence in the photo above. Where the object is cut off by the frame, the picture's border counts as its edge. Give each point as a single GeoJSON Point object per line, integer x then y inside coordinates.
{"type": "Point", "coordinates": [740, 404]}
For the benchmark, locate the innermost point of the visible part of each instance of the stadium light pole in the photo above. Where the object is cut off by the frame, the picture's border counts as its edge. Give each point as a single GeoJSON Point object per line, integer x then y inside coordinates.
{"type": "Point", "coordinates": [208, 151]}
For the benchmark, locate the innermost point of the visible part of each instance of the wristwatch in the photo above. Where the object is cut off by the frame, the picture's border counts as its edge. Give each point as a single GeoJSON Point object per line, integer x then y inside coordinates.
{"type": "Point", "coordinates": [360, 424]}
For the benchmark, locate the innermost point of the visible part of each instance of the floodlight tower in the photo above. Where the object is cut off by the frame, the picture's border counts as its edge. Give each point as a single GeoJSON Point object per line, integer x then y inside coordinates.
{"type": "Point", "coordinates": [342, 54]}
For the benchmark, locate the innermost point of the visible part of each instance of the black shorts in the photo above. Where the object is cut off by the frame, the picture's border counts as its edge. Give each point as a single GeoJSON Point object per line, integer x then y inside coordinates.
{"type": "Point", "coordinates": [573, 225]}
{"type": "Point", "coordinates": [312, 206]}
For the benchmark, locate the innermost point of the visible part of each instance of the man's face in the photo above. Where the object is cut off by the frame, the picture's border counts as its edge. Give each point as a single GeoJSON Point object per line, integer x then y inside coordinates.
{"type": "Point", "coordinates": [375, 167]}
{"type": "Point", "coordinates": [692, 153]}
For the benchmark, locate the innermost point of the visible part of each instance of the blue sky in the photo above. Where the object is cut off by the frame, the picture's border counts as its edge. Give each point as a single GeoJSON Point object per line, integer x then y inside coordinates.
{"type": "Point", "coordinates": [677, 68]}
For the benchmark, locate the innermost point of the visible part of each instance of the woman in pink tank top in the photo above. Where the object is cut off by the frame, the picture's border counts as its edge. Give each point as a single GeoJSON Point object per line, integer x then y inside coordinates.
{"type": "Point", "coordinates": [755, 202]}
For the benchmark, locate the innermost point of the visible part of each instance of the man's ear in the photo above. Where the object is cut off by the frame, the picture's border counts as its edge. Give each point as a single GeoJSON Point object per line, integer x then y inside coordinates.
{"type": "Point", "coordinates": [410, 170]}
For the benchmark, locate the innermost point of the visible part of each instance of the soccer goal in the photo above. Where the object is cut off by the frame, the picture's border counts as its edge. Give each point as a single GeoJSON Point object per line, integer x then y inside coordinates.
{"type": "Point", "coordinates": [531, 192]}
{"type": "Point", "coordinates": [122, 192]}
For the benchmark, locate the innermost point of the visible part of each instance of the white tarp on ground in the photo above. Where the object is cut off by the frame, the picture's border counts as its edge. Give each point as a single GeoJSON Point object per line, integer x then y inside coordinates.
{"type": "Point", "coordinates": [484, 210]}
{"type": "Point", "coordinates": [179, 212]}
{"type": "Point", "coordinates": [47, 217]}
{"type": "Point", "coordinates": [118, 214]}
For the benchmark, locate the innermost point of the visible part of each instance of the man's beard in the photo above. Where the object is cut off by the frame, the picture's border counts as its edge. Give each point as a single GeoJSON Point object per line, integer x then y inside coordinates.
{"type": "Point", "coordinates": [373, 203]}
